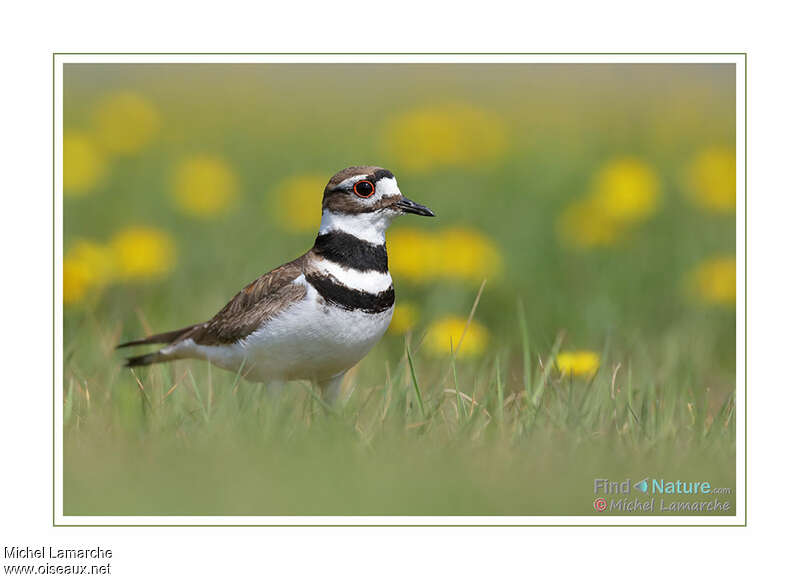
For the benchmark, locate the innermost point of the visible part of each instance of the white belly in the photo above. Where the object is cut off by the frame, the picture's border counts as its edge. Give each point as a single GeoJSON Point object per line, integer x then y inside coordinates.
{"type": "Point", "coordinates": [310, 340]}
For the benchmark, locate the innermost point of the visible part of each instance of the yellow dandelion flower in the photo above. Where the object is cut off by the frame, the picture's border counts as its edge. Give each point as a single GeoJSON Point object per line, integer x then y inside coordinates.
{"type": "Point", "coordinates": [622, 193]}
{"type": "Point", "coordinates": [448, 330]}
{"type": "Point", "coordinates": [143, 252]}
{"type": "Point", "coordinates": [583, 363]}
{"type": "Point", "coordinates": [98, 259]}
{"type": "Point", "coordinates": [125, 122]}
{"type": "Point", "coordinates": [84, 164]}
{"type": "Point", "coordinates": [414, 254]}
{"type": "Point", "coordinates": [296, 202]}
{"type": "Point", "coordinates": [405, 317]}
{"type": "Point", "coordinates": [452, 135]}
{"type": "Point", "coordinates": [87, 266]}
{"type": "Point", "coordinates": [203, 186]}
{"type": "Point", "coordinates": [582, 226]}
{"type": "Point", "coordinates": [453, 253]}
{"type": "Point", "coordinates": [626, 190]}
{"type": "Point", "coordinates": [714, 281]}
{"type": "Point", "coordinates": [76, 281]}
{"type": "Point", "coordinates": [712, 179]}
{"type": "Point", "coordinates": [467, 254]}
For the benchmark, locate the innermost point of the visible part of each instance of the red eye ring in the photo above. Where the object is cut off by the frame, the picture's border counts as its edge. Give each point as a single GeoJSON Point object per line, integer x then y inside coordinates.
{"type": "Point", "coordinates": [364, 192]}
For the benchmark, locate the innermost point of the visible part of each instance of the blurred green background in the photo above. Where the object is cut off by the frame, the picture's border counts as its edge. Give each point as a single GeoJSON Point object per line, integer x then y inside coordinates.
{"type": "Point", "coordinates": [598, 201]}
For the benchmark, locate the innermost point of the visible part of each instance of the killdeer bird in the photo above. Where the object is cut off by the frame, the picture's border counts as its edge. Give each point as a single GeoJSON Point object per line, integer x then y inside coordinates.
{"type": "Point", "coordinates": [315, 317]}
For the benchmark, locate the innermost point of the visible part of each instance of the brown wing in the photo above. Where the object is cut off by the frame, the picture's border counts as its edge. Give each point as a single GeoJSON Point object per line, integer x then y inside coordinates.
{"type": "Point", "coordinates": [253, 306]}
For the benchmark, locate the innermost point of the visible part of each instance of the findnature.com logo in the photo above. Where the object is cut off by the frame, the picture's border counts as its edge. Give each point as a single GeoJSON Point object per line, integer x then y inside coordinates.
{"type": "Point", "coordinates": [657, 486]}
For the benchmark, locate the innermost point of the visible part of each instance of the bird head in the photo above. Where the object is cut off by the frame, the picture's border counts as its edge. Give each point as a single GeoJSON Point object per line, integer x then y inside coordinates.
{"type": "Point", "coordinates": [363, 201]}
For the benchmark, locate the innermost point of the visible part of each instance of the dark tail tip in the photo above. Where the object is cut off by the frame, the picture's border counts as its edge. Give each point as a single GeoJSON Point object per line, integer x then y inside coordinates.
{"type": "Point", "coordinates": [143, 360]}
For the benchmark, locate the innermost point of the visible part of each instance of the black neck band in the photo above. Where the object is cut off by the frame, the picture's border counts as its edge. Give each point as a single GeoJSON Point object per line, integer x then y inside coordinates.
{"type": "Point", "coordinates": [351, 252]}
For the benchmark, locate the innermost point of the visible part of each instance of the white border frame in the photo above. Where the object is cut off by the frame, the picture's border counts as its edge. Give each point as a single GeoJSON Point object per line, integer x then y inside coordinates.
{"type": "Point", "coordinates": [600, 520]}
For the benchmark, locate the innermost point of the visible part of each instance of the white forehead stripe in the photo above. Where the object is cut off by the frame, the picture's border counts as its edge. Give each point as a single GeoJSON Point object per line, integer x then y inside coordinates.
{"type": "Point", "coordinates": [351, 181]}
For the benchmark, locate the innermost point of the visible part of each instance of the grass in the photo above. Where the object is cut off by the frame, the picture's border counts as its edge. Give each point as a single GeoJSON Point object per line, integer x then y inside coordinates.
{"type": "Point", "coordinates": [452, 438]}
{"type": "Point", "coordinates": [502, 432]}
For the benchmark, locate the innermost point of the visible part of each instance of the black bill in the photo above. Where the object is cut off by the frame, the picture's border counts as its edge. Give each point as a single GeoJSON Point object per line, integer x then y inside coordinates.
{"type": "Point", "coordinates": [408, 206]}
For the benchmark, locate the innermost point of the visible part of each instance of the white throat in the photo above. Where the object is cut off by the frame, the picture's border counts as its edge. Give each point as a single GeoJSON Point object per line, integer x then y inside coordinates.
{"type": "Point", "coordinates": [368, 226]}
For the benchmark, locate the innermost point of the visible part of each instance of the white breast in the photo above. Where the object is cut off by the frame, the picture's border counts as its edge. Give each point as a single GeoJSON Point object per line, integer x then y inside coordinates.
{"type": "Point", "coordinates": [309, 340]}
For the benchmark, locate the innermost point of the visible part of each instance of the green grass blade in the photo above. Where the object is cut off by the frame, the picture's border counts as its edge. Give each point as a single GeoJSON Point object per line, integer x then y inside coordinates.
{"type": "Point", "coordinates": [500, 393]}
{"type": "Point", "coordinates": [526, 351]}
{"type": "Point", "coordinates": [415, 381]}
{"type": "Point", "coordinates": [541, 382]}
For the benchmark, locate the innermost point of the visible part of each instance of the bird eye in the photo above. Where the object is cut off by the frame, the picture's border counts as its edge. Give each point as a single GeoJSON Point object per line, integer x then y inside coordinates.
{"type": "Point", "coordinates": [364, 188]}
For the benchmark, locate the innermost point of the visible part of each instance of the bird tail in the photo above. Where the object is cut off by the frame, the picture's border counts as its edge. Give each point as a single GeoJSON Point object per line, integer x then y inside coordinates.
{"type": "Point", "coordinates": [146, 359]}
{"type": "Point", "coordinates": [160, 355]}
{"type": "Point", "coordinates": [161, 338]}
